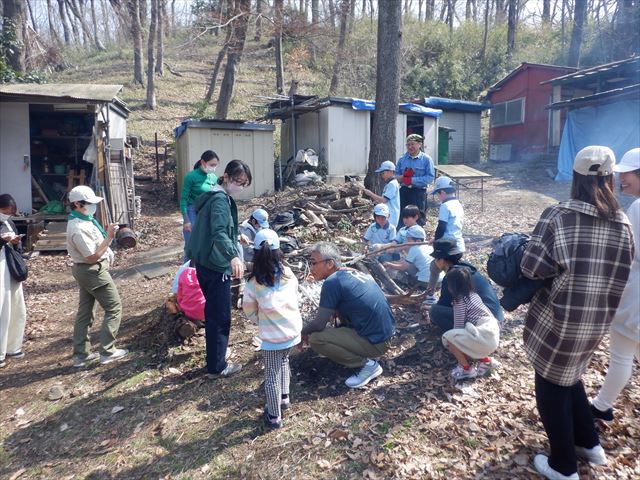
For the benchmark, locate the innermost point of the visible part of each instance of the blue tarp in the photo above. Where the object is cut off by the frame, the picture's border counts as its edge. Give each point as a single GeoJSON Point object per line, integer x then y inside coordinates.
{"type": "Point", "coordinates": [358, 104]}
{"type": "Point", "coordinates": [453, 104]}
{"type": "Point", "coordinates": [615, 125]}
{"type": "Point", "coordinates": [180, 129]}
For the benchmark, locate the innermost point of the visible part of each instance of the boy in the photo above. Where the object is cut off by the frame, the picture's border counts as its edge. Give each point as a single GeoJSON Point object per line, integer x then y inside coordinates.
{"type": "Point", "coordinates": [450, 223]}
{"type": "Point", "coordinates": [381, 231]}
{"type": "Point", "coordinates": [410, 217]}
{"type": "Point", "coordinates": [391, 193]}
{"type": "Point", "coordinates": [418, 259]}
{"type": "Point", "coordinates": [258, 219]}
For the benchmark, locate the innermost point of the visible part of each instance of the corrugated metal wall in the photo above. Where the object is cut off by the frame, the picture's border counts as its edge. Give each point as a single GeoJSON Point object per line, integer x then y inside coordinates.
{"type": "Point", "coordinates": [464, 143]}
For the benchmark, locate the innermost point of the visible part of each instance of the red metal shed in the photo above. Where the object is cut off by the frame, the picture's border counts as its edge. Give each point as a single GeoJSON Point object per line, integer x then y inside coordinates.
{"type": "Point", "coordinates": [520, 124]}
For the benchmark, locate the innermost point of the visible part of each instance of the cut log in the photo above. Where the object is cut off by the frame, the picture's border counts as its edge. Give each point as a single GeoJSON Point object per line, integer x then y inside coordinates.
{"type": "Point", "coordinates": [315, 207]}
{"type": "Point", "coordinates": [333, 218]}
{"type": "Point", "coordinates": [304, 220]}
{"type": "Point", "coordinates": [341, 204]}
{"type": "Point", "coordinates": [352, 190]}
{"type": "Point", "coordinates": [361, 202]}
{"type": "Point", "coordinates": [315, 220]}
{"type": "Point", "coordinates": [186, 328]}
{"type": "Point", "coordinates": [379, 273]}
{"type": "Point", "coordinates": [407, 299]}
{"type": "Point", "coordinates": [319, 192]}
{"type": "Point", "coordinates": [328, 197]}
{"type": "Point", "coordinates": [324, 221]}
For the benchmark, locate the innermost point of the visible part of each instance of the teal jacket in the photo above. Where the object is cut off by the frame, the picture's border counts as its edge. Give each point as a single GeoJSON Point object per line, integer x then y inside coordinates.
{"type": "Point", "coordinates": [214, 238]}
{"type": "Point", "coordinates": [195, 183]}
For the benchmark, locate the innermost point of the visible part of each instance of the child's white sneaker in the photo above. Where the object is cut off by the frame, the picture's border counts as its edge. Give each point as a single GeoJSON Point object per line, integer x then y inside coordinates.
{"type": "Point", "coordinates": [485, 368]}
{"type": "Point", "coordinates": [541, 462]}
{"type": "Point", "coordinates": [461, 373]}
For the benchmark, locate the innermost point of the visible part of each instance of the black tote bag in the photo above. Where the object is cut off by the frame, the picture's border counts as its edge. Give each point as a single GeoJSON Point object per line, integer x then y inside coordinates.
{"type": "Point", "coordinates": [16, 264]}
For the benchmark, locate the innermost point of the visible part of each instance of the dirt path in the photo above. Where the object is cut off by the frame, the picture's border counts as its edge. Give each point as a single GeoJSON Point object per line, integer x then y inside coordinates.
{"type": "Point", "coordinates": [155, 416]}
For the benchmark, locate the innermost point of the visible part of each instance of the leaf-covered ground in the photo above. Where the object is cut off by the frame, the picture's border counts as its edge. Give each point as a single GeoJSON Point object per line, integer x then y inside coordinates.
{"type": "Point", "coordinates": [154, 415]}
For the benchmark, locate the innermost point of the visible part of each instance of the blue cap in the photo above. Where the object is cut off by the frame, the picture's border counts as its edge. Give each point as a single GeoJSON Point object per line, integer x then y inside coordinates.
{"type": "Point", "coordinates": [417, 232]}
{"type": "Point", "coordinates": [382, 210]}
{"type": "Point", "coordinates": [262, 217]}
{"type": "Point", "coordinates": [266, 235]}
{"type": "Point", "coordinates": [386, 166]}
{"type": "Point", "coordinates": [444, 183]}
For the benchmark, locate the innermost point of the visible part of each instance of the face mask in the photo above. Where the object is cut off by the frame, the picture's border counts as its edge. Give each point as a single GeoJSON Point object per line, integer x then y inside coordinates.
{"type": "Point", "coordinates": [91, 209]}
{"type": "Point", "coordinates": [4, 217]}
{"type": "Point", "coordinates": [234, 189]}
{"type": "Point", "coordinates": [208, 169]}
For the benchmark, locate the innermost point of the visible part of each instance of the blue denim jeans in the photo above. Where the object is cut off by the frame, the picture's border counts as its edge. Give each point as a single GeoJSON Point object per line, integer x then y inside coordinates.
{"type": "Point", "coordinates": [442, 316]}
{"type": "Point", "coordinates": [216, 288]}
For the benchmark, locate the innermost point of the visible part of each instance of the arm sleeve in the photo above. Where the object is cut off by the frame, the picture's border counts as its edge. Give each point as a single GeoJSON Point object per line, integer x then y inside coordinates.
{"type": "Point", "coordinates": [399, 167]}
{"type": "Point", "coordinates": [423, 180]}
{"type": "Point", "coordinates": [440, 229]}
{"type": "Point", "coordinates": [219, 218]}
{"type": "Point", "coordinates": [320, 322]}
{"type": "Point", "coordinates": [367, 235]}
{"type": "Point", "coordinates": [249, 303]}
{"type": "Point", "coordinates": [459, 310]}
{"type": "Point", "coordinates": [184, 196]}
{"type": "Point", "coordinates": [538, 260]}
{"type": "Point", "coordinates": [83, 243]}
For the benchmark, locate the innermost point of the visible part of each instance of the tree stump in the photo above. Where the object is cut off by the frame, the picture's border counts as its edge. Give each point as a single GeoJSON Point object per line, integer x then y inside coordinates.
{"type": "Point", "coordinates": [341, 204]}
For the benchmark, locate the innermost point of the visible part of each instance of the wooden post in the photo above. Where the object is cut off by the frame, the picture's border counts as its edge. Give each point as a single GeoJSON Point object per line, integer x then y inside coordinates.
{"type": "Point", "coordinates": [157, 158]}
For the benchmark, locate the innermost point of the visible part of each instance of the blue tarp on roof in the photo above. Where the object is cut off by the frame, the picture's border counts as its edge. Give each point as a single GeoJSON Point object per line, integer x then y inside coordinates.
{"type": "Point", "coordinates": [452, 104]}
{"type": "Point", "coordinates": [358, 104]}
{"type": "Point", "coordinates": [615, 125]}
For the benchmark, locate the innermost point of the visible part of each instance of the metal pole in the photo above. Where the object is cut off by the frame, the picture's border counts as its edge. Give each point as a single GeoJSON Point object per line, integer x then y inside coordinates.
{"type": "Point", "coordinates": [157, 158]}
{"type": "Point", "coordinates": [294, 142]}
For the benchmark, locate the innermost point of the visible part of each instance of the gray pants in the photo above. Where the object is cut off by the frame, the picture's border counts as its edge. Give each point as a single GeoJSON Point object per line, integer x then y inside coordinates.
{"type": "Point", "coordinates": [344, 346]}
{"type": "Point", "coordinates": [96, 283]}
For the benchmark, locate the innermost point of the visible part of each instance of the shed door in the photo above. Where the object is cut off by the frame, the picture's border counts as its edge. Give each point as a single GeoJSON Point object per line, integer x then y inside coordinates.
{"type": "Point", "coordinates": [457, 140]}
{"type": "Point", "coordinates": [472, 137]}
{"type": "Point", "coordinates": [15, 153]}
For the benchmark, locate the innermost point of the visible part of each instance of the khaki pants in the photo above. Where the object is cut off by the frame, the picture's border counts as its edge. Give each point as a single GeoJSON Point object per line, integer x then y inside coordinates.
{"type": "Point", "coordinates": [96, 284]}
{"type": "Point", "coordinates": [344, 346]}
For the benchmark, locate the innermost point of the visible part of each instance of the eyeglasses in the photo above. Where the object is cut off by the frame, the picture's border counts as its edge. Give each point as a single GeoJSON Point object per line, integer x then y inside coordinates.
{"type": "Point", "coordinates": [313, 263]}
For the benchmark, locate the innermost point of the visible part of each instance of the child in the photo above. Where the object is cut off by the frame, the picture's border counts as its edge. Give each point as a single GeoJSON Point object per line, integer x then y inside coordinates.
{"type": "Point", "coordinates": [410, 217]}
{"type": "Point", "coordinates": [475, 332]}
{"type": "Point", "coordinates": [258, 219]}
{"type": "Point", "coordinates": [450, 223]}
{"type": "Point", "coordinates": [391, 193]}
{"type": "Point", "coordinates": [381, 231]}
{"type": "Point", "coordinates": [271, 299]}
{"type": "Point", "coordinates": [418, 259]}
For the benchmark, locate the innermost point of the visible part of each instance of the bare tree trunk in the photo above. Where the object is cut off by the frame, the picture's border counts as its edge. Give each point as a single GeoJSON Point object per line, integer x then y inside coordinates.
{"type": "Point", "coordinates": [86, 31]}
{"type": "Point", "coordinates": [383, 132]}
{"type": "Point", "coordinates": [52, 30]}
{"type": "Point", "coordinates": [258, 34]}
{"type": "Point", "coordinates": [160, 16]}
{"type": "Point", "coordinates": [352, 15]}
{"type": "Point", "coordinates": [234, 56]}
{"type": "Point", "coordinates": [579, 15]}
{"type": "Point", "coordinates": [136, 34]}
{"type": "Point", "coordinates": [173, 17]}
{"type": "Point", "coordinates": [278, 8]}
{"type": "Point", "coordinates": [63, 20]}
{"type": "Point", "coordinates": [512, 25]}
{"type": "Point", "coordinates": [429, 9]}
{"type": "Point", "coordinates": [315, 11]}
{"type": "Point", "coordinates": [33, 20]}
{"type": "Point", "coordinates": [99, 45]}
{"type": "Point", "coordinates": [627, 38]}
{"type": "Point", "coordinates": [106, 23]}
{"type": "Point", "coordinates": [485, 33]}
{"type": "Point", "coordinates": [13, 20]}
{"type": "Point", "coordinates": [332, 13]}
{"type": "Point", "coordinates": [468, 11]}
{"type": "Point", "coordinates": [501, 11]}
{"type": "Point", "coordinates": [344, 13]}
{"type": "Point", "coordinates": [74, 27]}
{"type": "Point", "coordinates": [151, 84]}
{"type": "Point", "coordinates": [216, 69]}
{"type": "Point", "coordinates": [546, 11]}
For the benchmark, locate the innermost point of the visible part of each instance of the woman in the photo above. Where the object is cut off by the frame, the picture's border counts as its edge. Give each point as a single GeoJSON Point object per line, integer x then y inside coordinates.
{"type": "Point", "coordinates": [200, 180]}
{"type": "Point", "coordinates": [414, 172]}
{"type": "Point", "coordinates": [214, 249]}
{"type": "Point", "coordinates": [625, 327]}
{"type": "Point", "coordinates": [584, 247]}
{"type": "Point", "coordinates": [13, 312]}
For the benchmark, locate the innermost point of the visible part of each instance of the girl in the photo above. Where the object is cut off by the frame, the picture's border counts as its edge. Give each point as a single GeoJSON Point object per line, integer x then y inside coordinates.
{"type": "Point", "coordinates": [475, 332]}
{"type": "Point", "coordinates": [200, 180]}
{"type": "Point", "coordinates": [271, 299]}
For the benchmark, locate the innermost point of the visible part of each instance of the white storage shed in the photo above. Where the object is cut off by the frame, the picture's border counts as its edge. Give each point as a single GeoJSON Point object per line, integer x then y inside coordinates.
{"type": "Point", "coordinates": [231, 140]}
{"type": "Point", "coordinates": [339, 130]}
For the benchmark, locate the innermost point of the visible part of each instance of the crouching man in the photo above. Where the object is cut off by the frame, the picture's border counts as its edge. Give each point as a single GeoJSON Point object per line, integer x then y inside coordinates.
{"type": "Point", "coordinates": [366, 320]}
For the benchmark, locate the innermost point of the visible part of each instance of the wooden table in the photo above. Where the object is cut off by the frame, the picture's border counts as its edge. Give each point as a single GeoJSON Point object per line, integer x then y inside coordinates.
{"type": "Point", "coordinates": [464, 176]}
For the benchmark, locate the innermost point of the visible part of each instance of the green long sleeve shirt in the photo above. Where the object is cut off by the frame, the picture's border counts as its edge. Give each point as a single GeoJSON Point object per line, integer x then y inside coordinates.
{"type": "Point", "coordinates": [195, 183]}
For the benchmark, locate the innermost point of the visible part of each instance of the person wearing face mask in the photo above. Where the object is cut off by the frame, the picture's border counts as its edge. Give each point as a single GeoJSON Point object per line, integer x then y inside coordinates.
{"type": "Point", "coordinates": [13, 312]}
{"type": "Point", "coordinates": [200, 180]}
{"type": "Point", "coordinates": [214, 249]}
{"type": "Point", "coordinates": [88, 245]}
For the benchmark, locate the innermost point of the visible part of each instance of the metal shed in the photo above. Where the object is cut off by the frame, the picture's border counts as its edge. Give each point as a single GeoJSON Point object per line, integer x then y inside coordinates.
{"type": "Point", "coordinates": [339, 130]}
{"type": "Point", "coordinates": [56, 136]}
{"type": "Point", "coordinates": [230, 139]}
{"type": "Point", "coordinates": [462, 117]}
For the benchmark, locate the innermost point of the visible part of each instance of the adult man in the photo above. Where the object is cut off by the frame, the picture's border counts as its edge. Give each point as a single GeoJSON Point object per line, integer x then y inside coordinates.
{"type": "Point", "coordinates": [366, 320]}
{"type": "Point", "coordinates": [414, 172]}
{"type": "Point", "coordinates": [447, 255]}
{"type": "Point", "coordinates": [88, 246]}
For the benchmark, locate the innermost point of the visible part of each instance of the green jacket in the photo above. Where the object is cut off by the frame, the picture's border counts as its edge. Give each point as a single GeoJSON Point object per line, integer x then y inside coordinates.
{"type": "Point", "coordinates": [214, 238]}
{"type": "Point", "coordinates": [195, 183]}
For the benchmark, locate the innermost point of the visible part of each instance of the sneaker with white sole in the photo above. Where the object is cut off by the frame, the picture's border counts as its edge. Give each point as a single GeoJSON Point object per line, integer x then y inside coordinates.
{"type": "Point", "coordinates": [117, 354]}
{"type": "Point", "coordinates": [461, 373]}
{"type": "Point", "coordinates": [430, 300]}
{"type": "Point", "coordinates": [365, 375]}
{"type": "Point", "coordinates": [285, 403]}
{"type": "Point", "coordinates": [16, 356]}
{"type": "Point", "coordinates": [80, 361]}
{"type": "Point", "coordinates": [604, 415]}
{"type": "Point", "coordinates": [485, 368]}
{"type": "Point", "coordinates": [230, 369]}
{"type": "Point", "coordinates": [594, 455]}
{"type": "Point", "coordinates": [541, 462]}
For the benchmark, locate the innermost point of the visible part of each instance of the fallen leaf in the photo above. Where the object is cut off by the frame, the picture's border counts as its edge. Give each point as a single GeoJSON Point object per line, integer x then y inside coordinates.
{"type": "Point", "coordinates": [64, 427]}
{"type": "Point", "coordinates": [322, 463]}
{"type": "Point", "coordinates": [116, 409]}
{"type": "Point", "coordinates": [338, 435]}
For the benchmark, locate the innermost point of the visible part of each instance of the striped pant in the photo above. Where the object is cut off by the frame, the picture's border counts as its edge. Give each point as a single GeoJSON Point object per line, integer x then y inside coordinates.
{"type": "Point", "coordinates": [276, 378]}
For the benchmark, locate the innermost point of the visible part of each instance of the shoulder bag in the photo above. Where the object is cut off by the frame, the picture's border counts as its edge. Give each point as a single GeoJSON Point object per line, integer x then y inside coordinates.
{"type": "Point", "coordinates": [17, 265]}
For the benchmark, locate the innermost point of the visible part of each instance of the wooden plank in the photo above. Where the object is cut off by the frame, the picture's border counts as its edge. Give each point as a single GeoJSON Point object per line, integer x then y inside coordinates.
{"type": "Point", "coordinates": [461, 171]}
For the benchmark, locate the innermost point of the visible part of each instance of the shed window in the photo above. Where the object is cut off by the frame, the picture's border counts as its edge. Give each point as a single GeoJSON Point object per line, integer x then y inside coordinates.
{"type": "Point", "coordinates": [508, 113]}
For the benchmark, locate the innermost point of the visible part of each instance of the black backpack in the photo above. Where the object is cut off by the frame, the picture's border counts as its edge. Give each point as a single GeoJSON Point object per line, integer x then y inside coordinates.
{"type": "Point", "coordinates": [503, 265]}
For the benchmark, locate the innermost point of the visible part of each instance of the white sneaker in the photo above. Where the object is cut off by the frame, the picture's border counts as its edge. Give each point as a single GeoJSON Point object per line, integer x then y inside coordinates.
{"type": "Point", "coordinates": [116, 355]}
{"type": "Point", "coordinates": [594, 455]}
{"type": "Point", "coordinates": [79, 362]}
{"type": "Point", "coordinates": [459, 373]}
{"type": "Point", "coordinates": [485, 368]}
{"type": "Point", "coordinates": [430, 300]}
{"type": "Point", "coordinates": [230, 369]}
{"type": "Point", "coordinates": [364, 376]}
{"type": "Point", "coordinates": [541, 462]}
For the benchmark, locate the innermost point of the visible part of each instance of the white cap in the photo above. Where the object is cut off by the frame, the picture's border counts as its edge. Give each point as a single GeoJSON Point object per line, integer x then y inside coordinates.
{"type": "Point", "coordinates": [444, 183]}
{"type": "Point", "coordinates": [82, 193]}
{"type": "Point", "coordinates": [266, 235]}
{"type": "Point", "coordinates": [417, 232]}
{"type": "Point", "coordinates": [382, 210]}
{"type": "Point", "coordinates": [262, 217]}
{"type": "Point", "coordinates": [594, 160]}
{"type": "Point", "coordinates": [630, 161]}
{"type": "Point", "coordinates": [386, 166]}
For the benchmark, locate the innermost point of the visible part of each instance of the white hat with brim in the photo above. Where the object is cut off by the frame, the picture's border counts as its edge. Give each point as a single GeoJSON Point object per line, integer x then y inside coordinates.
{"type": "Point", "coordinates": [82, 193]}
{"type": "Point", "coordinates": [417, 232]}
{"type": "Point", "coordinates": [386, 166]}
{"type": "Point", "coordinates": [444, 183]}
{"type": "Point", "coordinates": [630, 161]}
{"type": "Point", "coordinates": [595, 160]}
{"type": "Point", "coordinates": [266, 235]}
